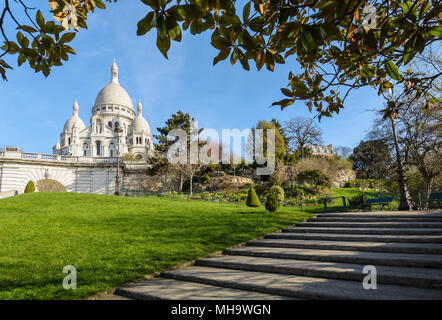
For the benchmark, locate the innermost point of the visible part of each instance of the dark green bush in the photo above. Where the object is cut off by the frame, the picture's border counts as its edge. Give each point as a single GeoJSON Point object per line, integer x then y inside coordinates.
{"type": "Point", "coordinates": [314, 178]}
{"type": "Point", "coordinates": [272, 203]}
{"type": "Point", "coordinates": [252, 198]}
{"type": "Point", "coordinates": [30, 187]}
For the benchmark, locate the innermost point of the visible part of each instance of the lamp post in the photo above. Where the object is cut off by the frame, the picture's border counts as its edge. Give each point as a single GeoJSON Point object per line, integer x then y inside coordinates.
{"type": "Point", "coordinates": [117, 177]}
{"type": "Point", "coordinates": [404, 204]}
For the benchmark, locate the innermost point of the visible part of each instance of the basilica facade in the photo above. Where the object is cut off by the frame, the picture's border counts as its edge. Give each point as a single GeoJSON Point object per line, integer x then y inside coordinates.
{"type": "Point", "coordinates": [114, 126]}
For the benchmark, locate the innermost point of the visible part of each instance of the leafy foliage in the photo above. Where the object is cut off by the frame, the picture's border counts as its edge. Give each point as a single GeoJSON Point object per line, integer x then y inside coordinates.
{"type": "Point", "coordinates": [252, 198]}
{"type": "Point", "coordinates": [278, 191]}
{"type": "Point", "coordinates": [335, 49]}
{"type": "Point", "coordinates": [332, 44]}
{"type": "Point", "coordinates": [272, 203]}
{"type": "Point", "coordinates": [30, 187]}
{"type": "Point", "coordinates": [42, 43]}
{"type": "Point", "coordinates": [314, 177]}
{"type": "Point", "coordinates": [372, 159]}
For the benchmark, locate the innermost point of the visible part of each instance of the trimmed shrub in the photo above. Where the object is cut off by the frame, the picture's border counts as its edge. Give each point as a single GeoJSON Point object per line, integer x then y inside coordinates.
{"type": "Point", "coordinates": [252, 198]}
{"type": "Point", "coordinates": [30, 187]}
{"type": "Point", "coordinates": [278, 191]}
{"type": "Point", "coordinates": [314, 177]}
{"type": "Point", "coordinates": [272, 203]}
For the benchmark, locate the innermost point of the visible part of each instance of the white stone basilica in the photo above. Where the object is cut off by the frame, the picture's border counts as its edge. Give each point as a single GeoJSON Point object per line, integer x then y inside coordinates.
{"type": "Point", "coordinates": [112, 109]}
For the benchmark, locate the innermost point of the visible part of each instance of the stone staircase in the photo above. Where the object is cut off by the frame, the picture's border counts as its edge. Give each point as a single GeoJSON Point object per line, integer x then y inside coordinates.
{"type": "Point", "coordinates": [322, 258]}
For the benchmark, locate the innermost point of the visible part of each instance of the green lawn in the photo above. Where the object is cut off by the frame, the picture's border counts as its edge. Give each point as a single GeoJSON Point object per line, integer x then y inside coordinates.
{"type": "Point", "coordinates": [337, 204]}
{"type": "Point", "coordinates": [112, 240]}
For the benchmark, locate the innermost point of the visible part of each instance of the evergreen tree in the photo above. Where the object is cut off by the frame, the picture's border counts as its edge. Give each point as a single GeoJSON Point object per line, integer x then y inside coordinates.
{"type": "Point", "coordinates": [252, 198]}
{"type": "Point", "coordinates": [30, 187]}
{"type": "Point", "coordinates": [272, 203]}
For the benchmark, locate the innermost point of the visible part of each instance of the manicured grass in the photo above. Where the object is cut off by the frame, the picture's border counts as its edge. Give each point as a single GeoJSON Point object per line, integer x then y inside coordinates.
{"type": "Point", "coordinates": [337, 204]}
{"type": "Point", "coordinates": [113, 240]}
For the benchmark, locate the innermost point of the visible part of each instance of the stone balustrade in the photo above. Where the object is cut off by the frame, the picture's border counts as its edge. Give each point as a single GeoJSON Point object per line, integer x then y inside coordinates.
{"type": "Point", "coordinates": [55, 158]}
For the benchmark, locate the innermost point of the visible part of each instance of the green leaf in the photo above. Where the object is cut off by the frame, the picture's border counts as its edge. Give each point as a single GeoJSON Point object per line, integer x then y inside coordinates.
{"type": "Point", "coordinates": [220, 42]}
{"type": "Point", "coordinates": [436, 32]}
{"type": "Point", "coordinates": [224, 53]}
{"type": "Point", "coordinates": [287, 92]}
{"type": "Point", "coordinates": [173, 29]}
{"type": "Point", "coordinates": [270, 61]}
{"type": "Point", "coordinates": [67, 37]}
{"type": "Point", "coordinates": [145, 24]}
{"type": "Point", "coordinates": [163, 44]}
{"type": "Point", "coordinates": [40, 20]}
{"type": "Point", "coordinates": [246, 12]}
{"type": "Point", "coordinates": [100, 4]}
{"type": "Point", "coordinates": [27, 29]}
{"type": "Point", "coordinates": [307, 40]}
{"type": "Point", "coordinates": [392, 70]}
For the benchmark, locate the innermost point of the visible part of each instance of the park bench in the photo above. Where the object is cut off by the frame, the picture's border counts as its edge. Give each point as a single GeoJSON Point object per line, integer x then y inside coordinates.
{"type": "Point", "coordinates": [434, 197]}
{"type": "Point", "coordinates": [378, 201]}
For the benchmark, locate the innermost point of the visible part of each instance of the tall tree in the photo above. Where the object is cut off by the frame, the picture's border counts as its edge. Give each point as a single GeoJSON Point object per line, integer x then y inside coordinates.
{"type": "Point", "coordinates": [340, 45]}
{"type": "Point", "coordinates": [280, 148]}
{"type": "Point", "coordinates": [419, 137]}
{"type": "Point", "coordinates": [372, 160]}
{"type": "Point", "coordinates": [302, 132]}
{"type": "Point", "coordinates": [178, 120]}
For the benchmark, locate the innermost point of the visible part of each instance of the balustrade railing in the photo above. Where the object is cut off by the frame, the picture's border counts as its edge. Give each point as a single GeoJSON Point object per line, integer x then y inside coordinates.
{"type": "Point", "coordinates": [54, 157]}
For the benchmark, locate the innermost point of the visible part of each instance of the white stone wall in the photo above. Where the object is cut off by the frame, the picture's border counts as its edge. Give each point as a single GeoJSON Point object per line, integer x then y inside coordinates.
{"type": "Point", "coordinates": [16, 172]}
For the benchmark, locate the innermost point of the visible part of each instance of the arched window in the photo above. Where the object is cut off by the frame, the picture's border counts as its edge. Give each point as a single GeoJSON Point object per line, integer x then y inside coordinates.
{"type": "Point", "coordinates": [98, 146]}
{"type": "Point", "coordinates": [69, 141]}
{"type": "Point", "coordinates": [99, 127]}
{"type": "Point", "coordinates": [111, 149]}
{"type": "Point", "coordinates": [117, 125]}
{"type": "Point", "coordinates": [85, 148]}
{"type": "Point", "coordinates": [110, 124]}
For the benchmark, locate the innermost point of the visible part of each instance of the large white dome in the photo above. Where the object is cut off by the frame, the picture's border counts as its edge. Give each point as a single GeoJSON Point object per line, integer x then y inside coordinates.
{"type": "Point", "coordinates": [113, 93]}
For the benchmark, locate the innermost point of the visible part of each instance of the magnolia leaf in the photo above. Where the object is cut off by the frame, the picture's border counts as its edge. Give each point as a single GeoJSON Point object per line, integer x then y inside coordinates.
{"type": "Point", "coordinates": [163, 44]}
{"type": "Point", "coordinates": [224, 53]}
{"type": "Point", "coordinates": [392, 70]}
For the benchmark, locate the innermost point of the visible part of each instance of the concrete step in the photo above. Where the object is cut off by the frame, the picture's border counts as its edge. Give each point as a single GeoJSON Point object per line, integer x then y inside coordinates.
{"type": "Point", "coordinates": [372, 219]}
{"type": "Point", "coordinates": [359, 257]}
{"type": "Point", "coordinates": [356, 237]}
{"type": "Point", "coordinates": [431, 225]}
{"type": "Point", "coordinates": [385, 231]}
{"type": "Point", "coordinates": [427, 248]}
{"type": "Point", "coordinates": [297, 286]}
{"type": "Point", "coordinates": [437, 215]}
{"type": "Point", "coordinates": [168, 289]}
{"type": "Point", "coordinates": [414, 277]}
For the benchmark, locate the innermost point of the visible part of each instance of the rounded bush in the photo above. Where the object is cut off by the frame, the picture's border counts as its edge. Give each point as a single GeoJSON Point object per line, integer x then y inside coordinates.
{"type": "Point", "coordinates": [272, 203]}
{"type": "Point", "coordinates": [314, 178]}
{"type": "Point", "coordinates": [278, 191]}
{"type": "Point", "coordinates": [30, 187]}
{"type": "Point", "coordinates": [252, 198]}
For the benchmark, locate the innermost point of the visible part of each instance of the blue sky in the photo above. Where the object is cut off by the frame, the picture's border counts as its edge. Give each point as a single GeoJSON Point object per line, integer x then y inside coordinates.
{"type": "Point", "coordinates": [33, 109]}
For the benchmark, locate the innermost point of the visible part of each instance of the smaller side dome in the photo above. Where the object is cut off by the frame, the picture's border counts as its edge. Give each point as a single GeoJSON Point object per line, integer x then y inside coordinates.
{"type": "Point", "coordinates": [74, 121]}
{"type": "Point", "coordinates": [57, 146]}
{"type": "Point", "coordinates": [139, 124]}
